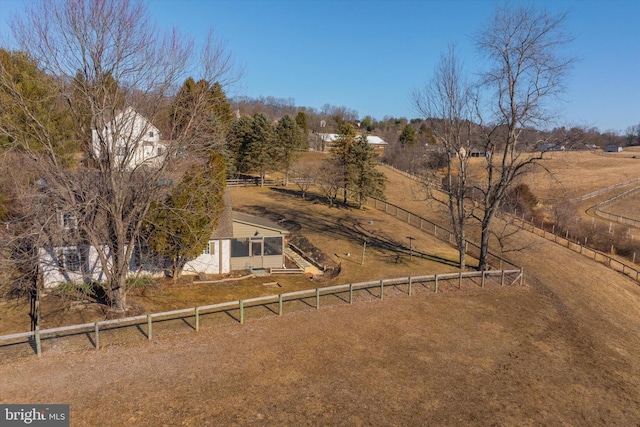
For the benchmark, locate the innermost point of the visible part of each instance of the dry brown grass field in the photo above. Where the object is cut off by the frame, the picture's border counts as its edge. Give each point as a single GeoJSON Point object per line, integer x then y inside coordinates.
{"type": "Point", "coordinates": [576, 172]}
{"type": "Point", "coordinates": [627, 206]}
{"type": "Point", "coordinates": [560, 350]}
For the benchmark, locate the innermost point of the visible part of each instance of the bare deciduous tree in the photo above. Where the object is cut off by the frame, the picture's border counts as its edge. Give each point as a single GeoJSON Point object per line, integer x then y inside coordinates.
{"type": "Point", "coordinates": [304, 176]}
{"type": "Point", "coordinates": [446, 103]}
{"type": "Point", "coordinates": [528, 68]}
{"type": "Point", "coordinates": [329, 180]}
{"type": "Point", "coordinates": [110, 66]}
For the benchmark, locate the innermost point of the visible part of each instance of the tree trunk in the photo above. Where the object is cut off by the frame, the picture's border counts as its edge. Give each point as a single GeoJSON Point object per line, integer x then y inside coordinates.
{"type": "Point", "coordinates": [484, 245]}
{"type": "Point", "coordinates": [119, 297]}
{"type": "Point", "coordinates": [462, 263]}
{"type": "Point", "coordinates": [175, 272]}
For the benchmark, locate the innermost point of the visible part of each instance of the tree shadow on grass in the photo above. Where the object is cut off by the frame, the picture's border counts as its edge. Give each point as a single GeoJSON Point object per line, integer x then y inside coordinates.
{"type": "Point", "coordinates": [346, 227]}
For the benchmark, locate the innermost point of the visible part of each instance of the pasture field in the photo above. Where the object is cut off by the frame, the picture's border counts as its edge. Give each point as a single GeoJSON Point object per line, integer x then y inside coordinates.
{"type": "Point", "coordinates": [582, 172]}
{"type": "Point", "coordinates": [628, 206]}
{"type": "Point", "coordinates": [560, 350]}
{"type": "Point", "coordinates": [576, 172]}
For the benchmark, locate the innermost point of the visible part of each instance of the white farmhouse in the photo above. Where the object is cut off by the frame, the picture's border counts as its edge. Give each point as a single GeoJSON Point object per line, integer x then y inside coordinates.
{"type": "Point", "coordinates": [240, 242]}
{"type": "Point", "coordinates": [130, 140]}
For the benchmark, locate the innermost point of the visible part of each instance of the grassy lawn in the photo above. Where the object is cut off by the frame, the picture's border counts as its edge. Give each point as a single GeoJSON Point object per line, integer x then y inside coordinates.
{"type": "Point", "coordinates": [338, 232]}
{"type": "Point", "coordinates": [560, 350]}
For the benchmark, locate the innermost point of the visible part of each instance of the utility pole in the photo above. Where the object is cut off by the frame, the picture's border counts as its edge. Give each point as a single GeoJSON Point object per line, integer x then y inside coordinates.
{"type": "Point", "coordinates": [364, 248]}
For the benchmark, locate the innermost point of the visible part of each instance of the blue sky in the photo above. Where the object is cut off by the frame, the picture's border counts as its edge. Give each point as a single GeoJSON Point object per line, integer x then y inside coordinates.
{"type": "Point", "coordinates": [368, 55]}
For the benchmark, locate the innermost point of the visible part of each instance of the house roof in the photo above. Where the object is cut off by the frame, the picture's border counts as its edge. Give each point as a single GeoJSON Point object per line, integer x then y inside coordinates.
{"type": "Point", "coordinates": [371, 139]}
{"type": "Point", "coordinates": [256, 220]}
{"type": "Point", "coordinates": [225, 222]}
{"type": "Point", "coordinates": [376, 140]}
{"type": "Point", "coordinates": [224, 230]}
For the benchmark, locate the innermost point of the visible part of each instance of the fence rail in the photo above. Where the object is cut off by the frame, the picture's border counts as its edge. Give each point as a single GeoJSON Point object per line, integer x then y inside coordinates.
{"type": "Point", "coordinates": [618, 218]}
{"type": "Point", "coordinates": [588, 252]}
{"type": "Point", "coordinates": [252, 182]}
{"type": "Point", "coordinates": [609, 188]}
{"type": "Point", "coordinates": [508, 277]}
{"type": "Point", "coordinates": [601, 257]}
{"type": "Point", "coordinates": [438, 231]}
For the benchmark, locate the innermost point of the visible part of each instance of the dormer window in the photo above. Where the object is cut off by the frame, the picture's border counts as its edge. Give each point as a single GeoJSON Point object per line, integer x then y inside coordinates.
{"type": "Point", "coordinates": [150, 134]}
{"type": "Point", "coordinates": [68, 221]}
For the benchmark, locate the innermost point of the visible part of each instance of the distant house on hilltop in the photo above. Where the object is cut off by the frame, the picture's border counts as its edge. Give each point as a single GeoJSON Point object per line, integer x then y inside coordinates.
{"type": "Point", "coordinates": [131, 139]}
{"type": "Point", "coordinates": [329, 139]}
{"type": "Point", "coordinates": [376, 142]}
{"type": "Point", "coordinates": [612, 149]}
{"type": "Point", "coordinates": [551, 147]}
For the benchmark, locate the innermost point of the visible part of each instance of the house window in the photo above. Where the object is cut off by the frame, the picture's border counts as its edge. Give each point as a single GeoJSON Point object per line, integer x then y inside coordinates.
{"type": "Point", "coordinates": [239, 248]}
{"type": "Point", "coordinates": [68, 221]}
{"type": "Point", "coordinates": [71, 259]}
{"type": "Point", "coordinates": [210, 249]}
{"type": "Point", "coordinates": [150, 134]}
{"type": "Point", "coordinates": [160, 151]}
{"type": "Point", "coordinates": [273, 245]}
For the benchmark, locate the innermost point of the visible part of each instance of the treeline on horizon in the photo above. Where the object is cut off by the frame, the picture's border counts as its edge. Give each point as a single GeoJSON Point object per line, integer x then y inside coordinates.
{"type": "Point", "coordinates": [329, 117]}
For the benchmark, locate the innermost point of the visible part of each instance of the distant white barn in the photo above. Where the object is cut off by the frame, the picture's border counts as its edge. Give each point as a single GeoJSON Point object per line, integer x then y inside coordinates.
{"type": "Point", "coordinates": [375, 141]}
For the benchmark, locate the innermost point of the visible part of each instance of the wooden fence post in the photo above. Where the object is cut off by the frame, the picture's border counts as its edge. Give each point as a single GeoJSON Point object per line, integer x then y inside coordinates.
{"type": "Point", "coordinates": [436, 289]}
{"type": "Point", "coordinates": [350, 293]}
{"type": "Point", "coordinates": [279, 304]}
{"type": "Point", "coordinates": [241, 306]}
{"type": "Point", "coordinates": [409, 287]}
{"type": "Point", "coordinates": [521, 275]}
{"type": "Point", "coordinates": [482, 282]}
{"type": "Point", "coordinates": [38, 343]}
{"type": "Point", "coordinates": [381, 289]}
{"type": "Point", "coordinates": [502, 279]}
{"type": "Point", "coordinates": [317, 298]}
{"type": "Point", "coordinates": [97, 343]}
{"type": "Point", "coordinates": [197, 319]}
{"type": "Point", "coordinates": [149, 327]}
{"type": "Point", "coordinates": [460, 280]}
